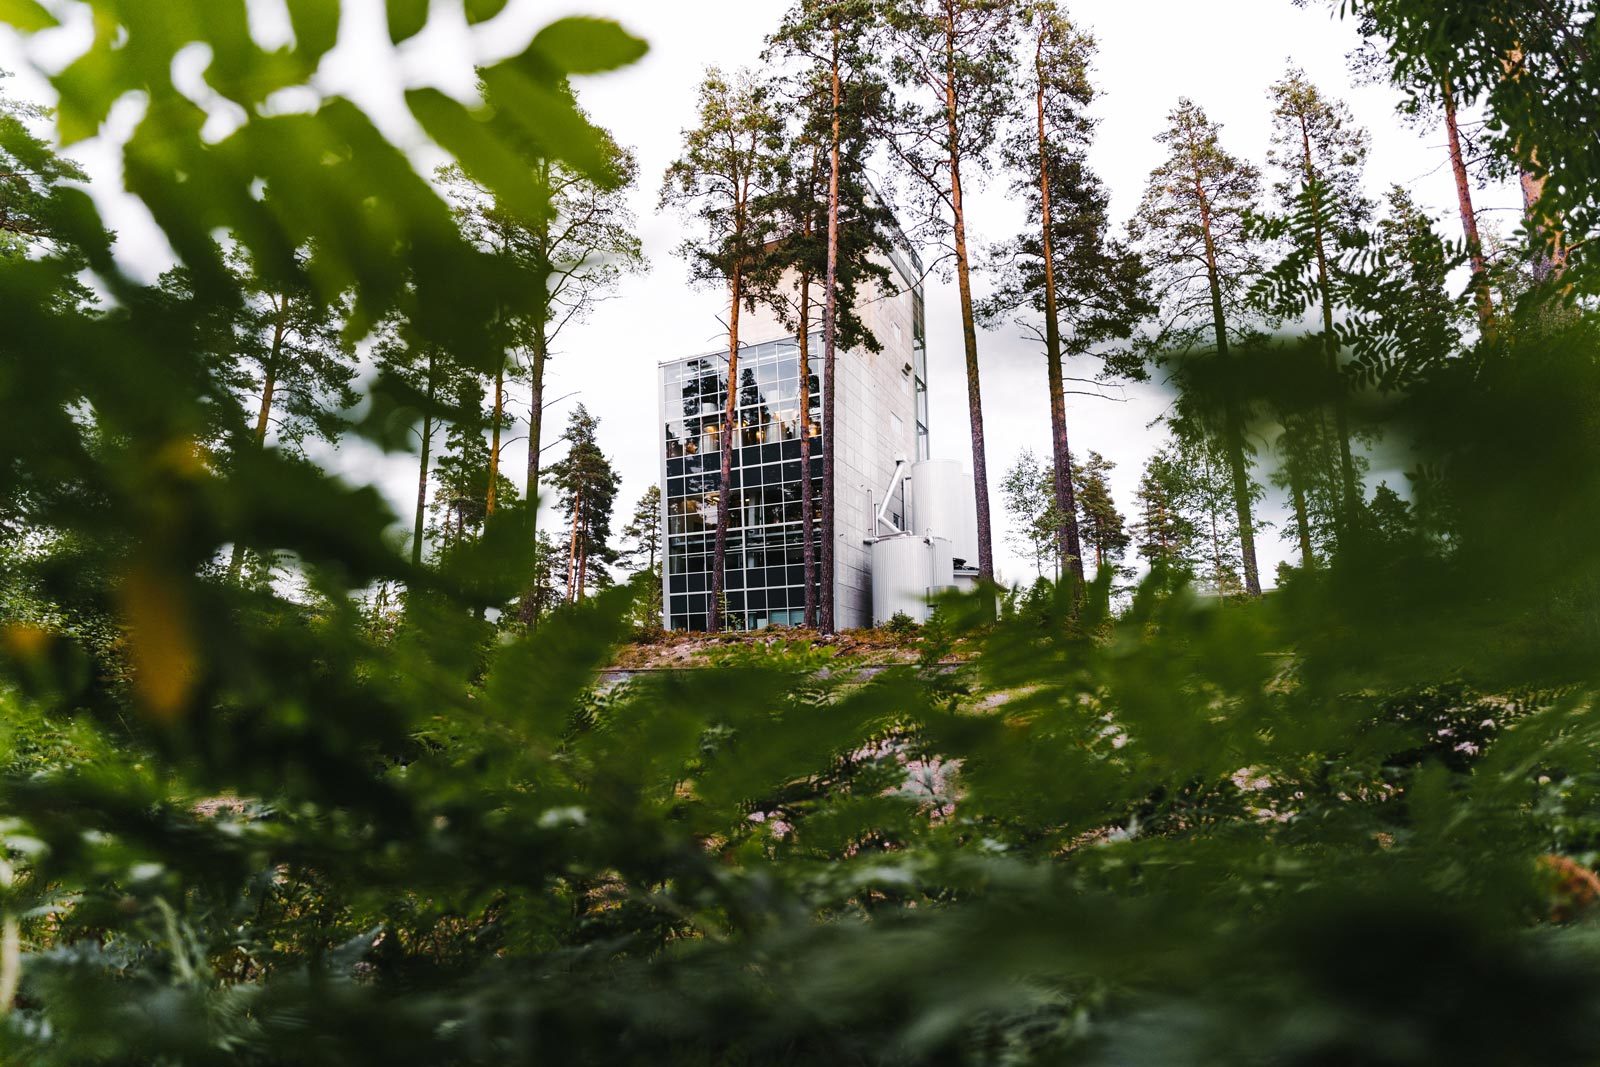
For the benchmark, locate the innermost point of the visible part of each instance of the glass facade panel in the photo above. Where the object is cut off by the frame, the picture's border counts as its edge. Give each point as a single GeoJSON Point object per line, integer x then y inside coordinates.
{"type": "Point", "coordinates": [766, 574]}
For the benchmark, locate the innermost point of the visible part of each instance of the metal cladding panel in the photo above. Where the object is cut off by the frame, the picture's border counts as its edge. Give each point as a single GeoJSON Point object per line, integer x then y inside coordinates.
{"type": "Point", "coordinates": [943, 504]}
{"type": "Point", "coordinates": [900, 571]}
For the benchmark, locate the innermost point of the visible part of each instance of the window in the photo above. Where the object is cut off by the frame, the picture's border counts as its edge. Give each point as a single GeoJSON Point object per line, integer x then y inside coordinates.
{"type": "Point", "coordinates": [764, 555]}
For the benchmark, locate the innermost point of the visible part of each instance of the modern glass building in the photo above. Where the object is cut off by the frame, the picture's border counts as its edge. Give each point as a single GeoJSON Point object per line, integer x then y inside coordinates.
{"type": "Point", "coordinates": [881, 425]}
{"type": "Point", "coordinates": [765, 570]}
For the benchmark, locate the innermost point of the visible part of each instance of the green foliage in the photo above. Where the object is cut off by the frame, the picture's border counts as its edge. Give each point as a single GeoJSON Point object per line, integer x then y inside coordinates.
{"type": "Point", "coordinates": [318, 821]}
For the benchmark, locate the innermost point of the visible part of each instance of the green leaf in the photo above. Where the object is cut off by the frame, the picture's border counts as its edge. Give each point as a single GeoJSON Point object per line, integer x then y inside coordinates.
{"type": "Point", "coordinates": [484, 156]}
{"type": "Point", "coordinates": [548, 118]}
{"type": "Point", "coordinates": [586, 45]}
{"type": "Point", "coordinates": [316, 26]}
{"type": "Point", "coordinates": [26, 15]}
{"type": "Point", "coordinates": [406, 18]}
{"type": "Point", "coordinates": [483, 10]}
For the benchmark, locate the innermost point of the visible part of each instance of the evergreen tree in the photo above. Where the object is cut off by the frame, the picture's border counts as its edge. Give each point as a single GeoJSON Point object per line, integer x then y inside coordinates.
{"type": "Point", "coordinates": [1319, 153]}
{"type": "Point", "coordinates": [1192, 226]}
{"type": "Point", "coordinates": [642, 555]}
{"type": "Point", "coordinates": [955, 61]}
{"type": "Point", "coordinates": [1103, 527]}
{"type": "Point", "coordinates": [1205, 497]}
{"type": "Point", "coordinates": [724, 179]}
{"type": "Point", "coordinates": [586, 486]}
{"type": "Point", "coordinates": [1164, 536]}
{"type": "Point", "coordinates": [836, 222]}
{"type": "Point", "coordinates": [573, 242]}
{"type": "Point", "coordinates": [1080, 287]}
{"type": "Point", "coordinates": [460, 504]}
{"type": "Point", "coordinates": [1430, 90]}
{"type": "Point", "coordinates": [432, 378]}
{"type": "Point", "coordinates": [280, 347]}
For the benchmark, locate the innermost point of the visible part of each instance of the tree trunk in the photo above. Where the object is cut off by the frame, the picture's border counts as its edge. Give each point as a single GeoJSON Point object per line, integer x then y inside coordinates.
{"type": "Point", "coordinates": [583, 556]}
{"type": "Point", "coordinates": [830, 337]}
{"type": "Point", "coordinates": [528, 610]}
{"type": "Point", "coordinates": [269, 382]}
{"type": "Point", "coordinates": [730, 414]}
{"type": "Point", "coordinates": [422, 472]}
{"type": "Point", "coordinates": [808, 509]}
{"type": "Point", "coordinates": [1469, 217]}
{"type": "Point", "coordinates": [1330, 343]}
{"type": "Point", "coordinates": [494, 437]}
{"type": "Point", "coordinates": [1544, 234]}
{"type": "Point", "coordinates": [1235, 426]}
{"type": "Point", "coordinates": [1068, 545]}
{"type": "Point", "coordinates": [1549, 248]}
{"type": "Point", "coordinates": [969, 329]}
{"type": "Point", "coordinates": [572, 546]}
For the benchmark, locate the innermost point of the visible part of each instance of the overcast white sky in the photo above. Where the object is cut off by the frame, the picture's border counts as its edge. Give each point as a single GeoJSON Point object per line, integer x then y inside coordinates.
{"type": "Point", "coordinates": [1224, 55]}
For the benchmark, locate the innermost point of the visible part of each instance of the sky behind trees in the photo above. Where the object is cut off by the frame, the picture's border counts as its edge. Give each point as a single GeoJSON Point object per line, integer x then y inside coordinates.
{"type": "Point", "coordinates": [1150, 53]}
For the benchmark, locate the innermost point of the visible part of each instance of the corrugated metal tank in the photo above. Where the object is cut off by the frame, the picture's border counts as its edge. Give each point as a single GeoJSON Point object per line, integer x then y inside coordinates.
{"type": "Point", "coordinates": [906, 571]}
{"type": "Point", "coordinates": [943, 503]}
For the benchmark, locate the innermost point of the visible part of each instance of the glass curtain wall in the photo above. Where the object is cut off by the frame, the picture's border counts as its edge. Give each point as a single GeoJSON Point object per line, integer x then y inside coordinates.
{"type": "Point", "coordinates": [766, 575]}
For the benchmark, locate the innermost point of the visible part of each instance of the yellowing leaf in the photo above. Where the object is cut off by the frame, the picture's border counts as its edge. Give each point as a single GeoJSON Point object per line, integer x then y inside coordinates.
{"type": "Point", "coordinates": [160, 641]}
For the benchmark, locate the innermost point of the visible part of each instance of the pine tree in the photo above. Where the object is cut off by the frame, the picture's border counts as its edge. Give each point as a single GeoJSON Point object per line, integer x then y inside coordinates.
{"type": "Point", "coordinates": [573, 247]}
{"type": "Point", "coordinates": [724, 179]}
{"type": "Point", "coordinates": [1319, 153]}
{"type": "Point", "coordinates": [432, 377]}
{"type": "Point", "coordinates": [1080, 286]}
{"type": "Point", "coordinates": [1205, 498]}
{"type": "Point", "coordinates": [1164, 536]}
{"type": "Point", "coordinates": [837, 224]}
{"type": "Point", "coordinates": [955, 60]}
{"type": "Point", "coordinates": [461, 498]}
{"type": "Point", "coordinates": [1192, 228]}
{"type": "Point", "coordinates": [642, 556]}
{"type": "Point", "coordinates": [586, 486]}
{"type": "Point", "coordinates": [1103, 527]}
{"type": "Point", "coordinates": [282, 351]}
{"type": "Point", "coordinates": [1533, 64]}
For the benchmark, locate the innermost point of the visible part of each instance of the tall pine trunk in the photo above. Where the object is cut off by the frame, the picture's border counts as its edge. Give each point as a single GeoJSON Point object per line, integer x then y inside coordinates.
{"type": "Point", "coordinates": [1235, 425]}
{"type": "Point", "coordinates": [1544, 233]}
{"type": "Point", "coordinates": [1469, 217]}
{"type": "Point", "coordinates": [1297, 497]}
{"type": "Point", "coordinates": [1330, 341]}
{"type": "Point", "coordinates": [969, 328]}
{"type": "Point", "coordinates": [422, 470]}
{"type": "Point", "coordinates": [269, 384]}
{"type": "Point", "coordinates": [730, 414]}
{"type": "Point", "coordinates": [808, 509]}
{"type": "Point", "coordinates": [1068, 545]}
{"type": "Point", "coordinates": [494, 437]}
{"type": "Point", "coordinates": [572, 545]}
{"type": "Point", "coordinates": [830, 340]}
{"type": "Point", "coordinates": [528, 610]}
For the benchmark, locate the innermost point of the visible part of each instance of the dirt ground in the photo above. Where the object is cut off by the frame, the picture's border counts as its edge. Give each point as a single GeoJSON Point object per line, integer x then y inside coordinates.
{"type": "Point", "coordinates": [678, 649]}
